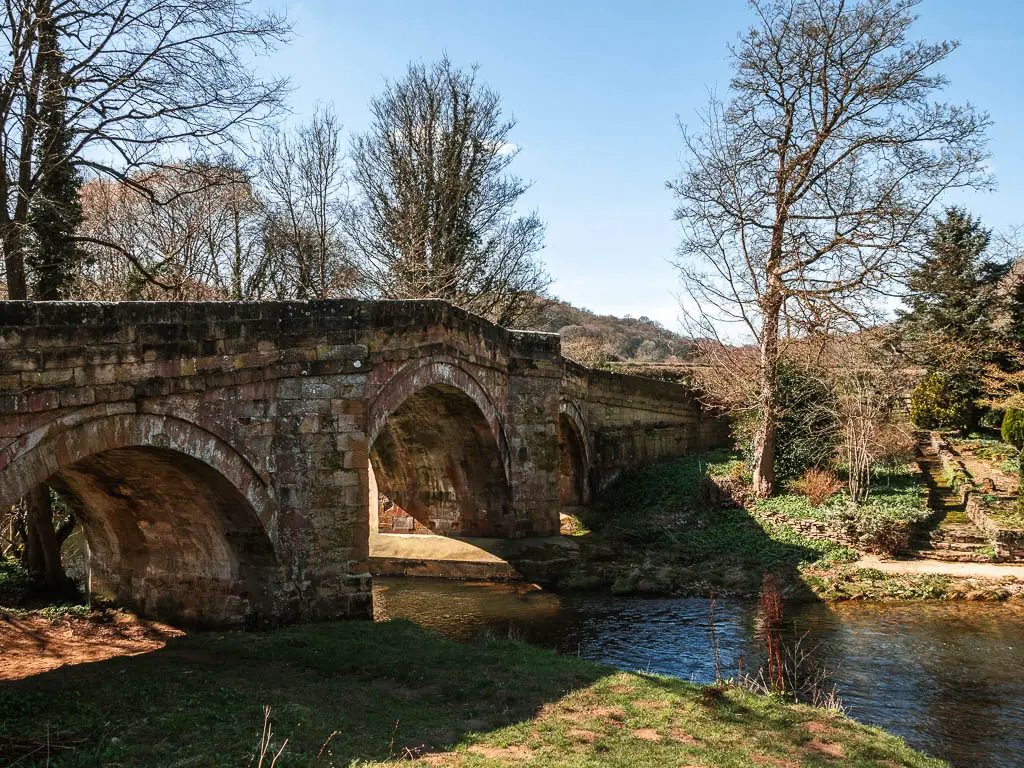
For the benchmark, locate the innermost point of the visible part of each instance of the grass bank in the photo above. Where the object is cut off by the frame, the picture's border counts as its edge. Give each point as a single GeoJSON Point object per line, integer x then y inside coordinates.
{"type": "Point", "coordinates": [351, 693]}
{"type": "Point", "coordinates": [685, 527]}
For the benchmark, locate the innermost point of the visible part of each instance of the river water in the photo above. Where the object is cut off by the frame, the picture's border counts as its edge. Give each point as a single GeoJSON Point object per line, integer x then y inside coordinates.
{"type": "Point", "coordinates": [947, 677]}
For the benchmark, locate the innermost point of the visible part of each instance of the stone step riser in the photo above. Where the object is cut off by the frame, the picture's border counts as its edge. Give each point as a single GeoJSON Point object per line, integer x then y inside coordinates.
{"type": "Point", "coordinates": [955, 542]}
{"type": "Point", "coordinates": [947, 556]}
{"type": "Point", "coordinates": [957, 546]}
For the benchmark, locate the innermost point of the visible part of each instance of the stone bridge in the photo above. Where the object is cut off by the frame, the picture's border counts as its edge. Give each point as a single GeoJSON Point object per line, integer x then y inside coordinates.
{"type": "Point", "coordinates": [250, 462]}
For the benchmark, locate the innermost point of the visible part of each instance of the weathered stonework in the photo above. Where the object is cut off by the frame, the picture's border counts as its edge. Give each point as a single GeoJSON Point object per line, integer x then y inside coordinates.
{"type": "Point", "coordinates": [623, 421]}
{"type": "Point", "coordinates": [225, 452]}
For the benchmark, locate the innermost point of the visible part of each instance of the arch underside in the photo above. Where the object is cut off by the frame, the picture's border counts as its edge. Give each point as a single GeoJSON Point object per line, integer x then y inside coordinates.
{"type": "Point", "coordinates": [168, 535]}
{"type": "Point", "coordinates": [572, 468]}
{"type": "Point", "coordinates": [438, 468]}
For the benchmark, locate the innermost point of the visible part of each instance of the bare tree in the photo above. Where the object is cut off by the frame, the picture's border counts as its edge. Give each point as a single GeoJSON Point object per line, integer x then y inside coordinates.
{"type": "Point", "coordinates": [436, 212]}
{"type": "Point", "coordinates": [196, 232]}
{"type": "Point", "coordinates": [867, 387]}
{"type": "Point", "coordinates": [302, 183]}
{"type": "Point", "coordinates": [803, 193]}
{"type": "Point", "coordinates": [149, 80]}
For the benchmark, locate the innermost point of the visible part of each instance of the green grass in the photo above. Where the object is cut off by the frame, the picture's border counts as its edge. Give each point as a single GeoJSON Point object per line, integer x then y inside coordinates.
{"type": "Point", "coordinates": [895, 496]}
{"type": "Point", "coordinates": [657, 510]}
{"type": "Point", "coordinates": [663, 519]}
{"type": "Point", "coordinates": [353, 693]}
{"type": "Point", "coordinates": [851, 583]}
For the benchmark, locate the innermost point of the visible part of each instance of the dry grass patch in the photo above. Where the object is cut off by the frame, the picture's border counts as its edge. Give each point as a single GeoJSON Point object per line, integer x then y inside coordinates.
{"type": "Point", "coordinates": [774, 762]}
{"type": "Point", "coordinates": [514, 752]}
{"type": "Point", "coordinates": [647, 734]}
{"type": "Point", "coordinates": [678, 734]}
{"type": "Point", "coordinates": [827, 748]}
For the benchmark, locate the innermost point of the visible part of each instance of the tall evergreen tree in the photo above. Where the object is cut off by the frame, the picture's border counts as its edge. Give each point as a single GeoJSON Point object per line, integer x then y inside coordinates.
{"type": "Point", "coordinates": [953, 286]}
{"type": "Point", "coordinates": [56, 211]}
{"type": "Point", "coordinates": [1014, 328]}
{"type": "Point", "coordinates": [948, 324]}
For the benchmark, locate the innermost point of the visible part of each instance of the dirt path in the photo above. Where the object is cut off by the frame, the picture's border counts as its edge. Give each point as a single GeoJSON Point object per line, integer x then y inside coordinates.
{"type": "Point", "coordinates": [942, 567]}
{"type": "Point", "coordinates": [33, 644]}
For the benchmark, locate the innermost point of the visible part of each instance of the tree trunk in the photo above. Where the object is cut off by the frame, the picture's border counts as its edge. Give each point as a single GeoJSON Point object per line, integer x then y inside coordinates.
{"type": "Point", "coordinates": [42, 548]}
{"type": "Point", "coordinates": [768, 368]}
{"type": "Point", "coordinates": [14, 261]}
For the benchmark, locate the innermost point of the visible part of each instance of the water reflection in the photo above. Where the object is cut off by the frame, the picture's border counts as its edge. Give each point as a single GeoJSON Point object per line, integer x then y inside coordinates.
{"type": "Point", "coordinates": [948, 677]}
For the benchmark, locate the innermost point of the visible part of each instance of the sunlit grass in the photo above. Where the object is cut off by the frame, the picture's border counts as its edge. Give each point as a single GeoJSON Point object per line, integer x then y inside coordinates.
{"type": "Point", "coordinates": [360, 693]}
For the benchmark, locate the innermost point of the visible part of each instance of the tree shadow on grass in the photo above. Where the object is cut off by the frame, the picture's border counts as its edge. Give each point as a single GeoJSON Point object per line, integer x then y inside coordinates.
{"type": "Point", "coordinates": [344, 691]}
{"type": "Point", "coordinates": [349, 692]}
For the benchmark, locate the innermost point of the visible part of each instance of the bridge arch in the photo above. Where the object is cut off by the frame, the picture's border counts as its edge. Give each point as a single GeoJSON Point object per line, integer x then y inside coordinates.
{"type": "Point", "coordinates": [574, 456]}
{"type": "Point", "coordinates": [439, 456]}
{"type": "Point", "coordinates": [176, 521]}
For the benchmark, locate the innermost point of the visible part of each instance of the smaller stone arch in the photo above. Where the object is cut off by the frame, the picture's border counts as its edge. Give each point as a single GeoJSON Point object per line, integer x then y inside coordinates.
{"type": "Point", "coordinates": [575, 456]}
{"type": "Point", "coordinates": [177, 523]}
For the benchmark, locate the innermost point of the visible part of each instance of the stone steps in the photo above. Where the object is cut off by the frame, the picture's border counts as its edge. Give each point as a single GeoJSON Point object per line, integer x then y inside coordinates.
{"type": "Point", "coordinates": [940, 537]}
{"type": "Point", "coordinates": [951, 546]}
{"type": "Point", "coordinates": [948, 541]}
{"type": "Point", "coordinates": [947, 555]}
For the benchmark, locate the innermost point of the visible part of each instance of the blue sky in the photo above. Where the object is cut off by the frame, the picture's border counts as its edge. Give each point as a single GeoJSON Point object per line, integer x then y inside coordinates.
{"type": "Point", "coordinates": [596, 87]}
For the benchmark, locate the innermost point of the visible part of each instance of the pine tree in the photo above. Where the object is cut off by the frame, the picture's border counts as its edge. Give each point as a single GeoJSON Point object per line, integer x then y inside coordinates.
{"type": "Point", "coordinates": [56, 211]}
{"type": "Point", "coordinates": [953, 286]}
{"type": "Point", "coordinates": [948, 325]}
{"type": "Point", "coordinates": [1014, 328]}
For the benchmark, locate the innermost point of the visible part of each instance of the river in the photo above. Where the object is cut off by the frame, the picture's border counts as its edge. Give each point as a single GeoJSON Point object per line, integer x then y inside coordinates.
{"type": "Point", "coordinates": [948, 677]}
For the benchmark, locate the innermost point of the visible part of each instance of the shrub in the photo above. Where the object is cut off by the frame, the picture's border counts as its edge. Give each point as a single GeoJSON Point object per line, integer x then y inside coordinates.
{"type": "Point", "coordinates": [707, 494]}
{"type": "Point", "coordinates": [992, 418]}
{"type": "Point", "coordinates": [807, 433]}
{"type": "Point", "coordinates": [15, 583]}
{"type": "Point", "coordinates": [818, 485]}
{"type": "Point", "coordinates": [939, 403]}
{"type": "Point", "coordinates": [894, 448]}
{"type": "Point", "coordinates": [881, 534]}
{"type": "Point", "coordinates": [1013, 427]}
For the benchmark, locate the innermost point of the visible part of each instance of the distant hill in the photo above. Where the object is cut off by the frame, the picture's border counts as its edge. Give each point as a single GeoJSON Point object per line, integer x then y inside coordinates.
{"type": "Point", "coordinates": [595, 340]}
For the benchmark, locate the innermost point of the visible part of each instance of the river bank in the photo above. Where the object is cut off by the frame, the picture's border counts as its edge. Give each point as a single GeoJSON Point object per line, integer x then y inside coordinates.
{"type": "Point", "coordinates": [687, 528]}
{"type": "Point", "coordinates": [380, 692]}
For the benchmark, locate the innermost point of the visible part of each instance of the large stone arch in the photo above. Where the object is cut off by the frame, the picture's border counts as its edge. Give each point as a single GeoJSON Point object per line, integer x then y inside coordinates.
{"type": "Point", "coordinates": [437, 371]}
{"type": "Point", "coordinates": [575, 455]}
{"type": "Point", "coordinates": [439, 455]}
{"type": "Point", "coordinates": [177, 522]}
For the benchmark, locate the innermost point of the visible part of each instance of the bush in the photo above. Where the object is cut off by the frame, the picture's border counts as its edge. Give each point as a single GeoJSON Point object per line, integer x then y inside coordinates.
{"type": "Point", "coordinates": [818, 485]}
{"type": "Point", "coordinates": [881, 534]}
{"type": "Point", "coordinates": [895, 447]}
{"type": "Point", "coordinates": [807, 433]}
{"type": "Point", "coordinates": [939, 403]}
{"type": "Point", "coordinates": [15, 583]}
{"type": "Point", "coordinates": [1013, 427]}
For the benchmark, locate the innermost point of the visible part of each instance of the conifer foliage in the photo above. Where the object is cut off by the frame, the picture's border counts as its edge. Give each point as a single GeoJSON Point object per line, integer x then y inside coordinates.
{"type": "Point", "coordinates": [56, 211]}
{"type": "Point", "coordinates": [948, 326]}
{"type": "Point", "coordinates": [953, 286]}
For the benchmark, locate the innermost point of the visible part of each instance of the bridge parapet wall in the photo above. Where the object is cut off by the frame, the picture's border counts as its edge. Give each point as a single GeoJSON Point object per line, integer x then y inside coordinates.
{"type": "Point", "coordinates": [632, 420]}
